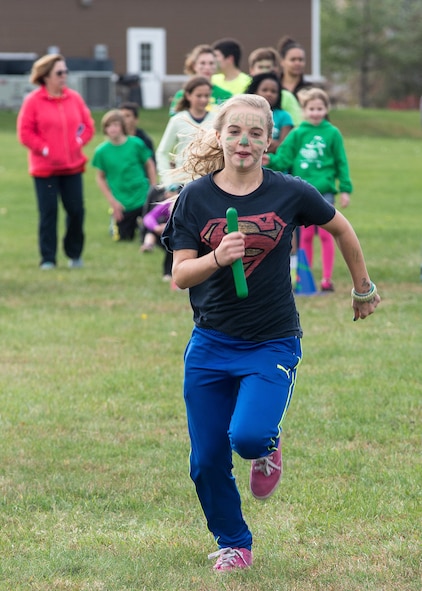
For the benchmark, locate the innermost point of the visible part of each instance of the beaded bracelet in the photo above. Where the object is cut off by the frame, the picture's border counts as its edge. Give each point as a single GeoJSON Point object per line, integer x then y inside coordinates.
{"type": "Point", "coordinates": [365, 297]}
{"type": "Point", "coordinates": [215, 258]}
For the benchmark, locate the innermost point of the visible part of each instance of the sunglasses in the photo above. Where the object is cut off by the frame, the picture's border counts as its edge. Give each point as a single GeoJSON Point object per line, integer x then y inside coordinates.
{"type": "Point", "coordinates": [61, 72]}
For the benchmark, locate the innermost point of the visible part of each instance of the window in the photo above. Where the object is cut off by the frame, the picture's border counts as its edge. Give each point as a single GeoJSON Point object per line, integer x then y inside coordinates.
{"type": "Point", "coordinates": [145, 57]}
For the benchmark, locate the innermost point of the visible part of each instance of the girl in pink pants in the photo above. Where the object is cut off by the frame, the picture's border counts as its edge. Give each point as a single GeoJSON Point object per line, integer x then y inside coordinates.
{"type": "Point", "coordinates": [314, 151]}
{"type": "Point", "coordinates": [307, 235]}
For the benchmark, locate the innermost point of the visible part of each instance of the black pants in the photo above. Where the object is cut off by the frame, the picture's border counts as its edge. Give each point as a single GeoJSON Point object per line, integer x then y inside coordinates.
{"type": "Point", "coordinates": [69, 187]}
{"type": "Point", "coordinates": [127, 226]}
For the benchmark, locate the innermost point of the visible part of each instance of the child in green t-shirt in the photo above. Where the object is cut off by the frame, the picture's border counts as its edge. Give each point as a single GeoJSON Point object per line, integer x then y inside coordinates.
{"type": "Point", "coordinates": [125, 172]}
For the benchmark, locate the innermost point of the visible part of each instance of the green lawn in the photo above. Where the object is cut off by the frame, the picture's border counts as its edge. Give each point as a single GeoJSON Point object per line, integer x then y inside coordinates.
{"type": "Point", "coordinates": [94, 487]}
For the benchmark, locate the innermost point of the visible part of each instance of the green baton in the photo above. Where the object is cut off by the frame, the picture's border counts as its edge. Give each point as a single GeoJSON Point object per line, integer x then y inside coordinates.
{"type": "Point", "coordinates": [237, 267]}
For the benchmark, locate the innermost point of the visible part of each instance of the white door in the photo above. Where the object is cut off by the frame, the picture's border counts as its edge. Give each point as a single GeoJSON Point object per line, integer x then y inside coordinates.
{"type": "Point", "coordinates": [146, 57]}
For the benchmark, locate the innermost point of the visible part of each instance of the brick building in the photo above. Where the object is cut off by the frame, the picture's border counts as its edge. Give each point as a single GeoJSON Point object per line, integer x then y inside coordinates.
{"type": "Point", "coordinates": [151, 38]}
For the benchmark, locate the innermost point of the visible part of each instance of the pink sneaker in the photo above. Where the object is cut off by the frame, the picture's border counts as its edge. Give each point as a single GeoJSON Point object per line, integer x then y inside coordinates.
{"type": "Point", "coordinates": [266, 474]}
{"type": "Point", "coordinates": [231, 558]}
{"type": "Point", "coordinates": [327, 285]}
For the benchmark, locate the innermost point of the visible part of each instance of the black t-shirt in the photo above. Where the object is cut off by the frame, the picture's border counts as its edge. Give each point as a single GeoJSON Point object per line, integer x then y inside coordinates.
{"type": "Point", "coordinates": [140, 133]}
{"type": "Point", "coordinates": [268, 217]}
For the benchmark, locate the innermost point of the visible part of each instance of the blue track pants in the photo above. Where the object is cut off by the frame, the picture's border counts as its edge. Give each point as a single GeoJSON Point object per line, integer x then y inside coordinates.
{"type": "Point", "coordinates": [236, 393]}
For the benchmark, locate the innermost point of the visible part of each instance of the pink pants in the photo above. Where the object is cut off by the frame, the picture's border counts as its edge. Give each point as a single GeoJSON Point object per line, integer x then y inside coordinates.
{"type": "Point", "coordinates": [327, 248]}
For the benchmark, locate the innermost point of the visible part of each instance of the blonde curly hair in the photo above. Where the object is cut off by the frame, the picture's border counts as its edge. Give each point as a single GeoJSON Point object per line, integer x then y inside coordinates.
{"type": "Point", "coordinates": [204, 155]}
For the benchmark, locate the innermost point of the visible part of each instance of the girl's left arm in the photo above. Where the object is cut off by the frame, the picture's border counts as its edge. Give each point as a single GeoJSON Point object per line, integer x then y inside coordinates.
{"type": "Point", "coordinates": [342, 165]}
{"type": "Point", "coordinates": [350, 248]}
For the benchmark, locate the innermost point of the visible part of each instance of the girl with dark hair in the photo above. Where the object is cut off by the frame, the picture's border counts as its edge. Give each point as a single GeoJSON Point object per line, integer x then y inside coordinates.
{"type": "Point", "coordinates": [191, 114]}
{"type": "Point", "coordinates": [292, 62]}
{"type": "Point", "coordinates": [268, 86]}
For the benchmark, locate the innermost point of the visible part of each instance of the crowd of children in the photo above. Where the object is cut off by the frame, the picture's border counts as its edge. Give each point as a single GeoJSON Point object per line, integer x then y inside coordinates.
{"type": "Point", "coordinates": [131, 173]}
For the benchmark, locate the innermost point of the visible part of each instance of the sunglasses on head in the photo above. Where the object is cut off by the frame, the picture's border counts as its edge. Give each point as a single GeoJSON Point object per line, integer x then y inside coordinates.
{"type": "Point", "coordinates": [61, 72]}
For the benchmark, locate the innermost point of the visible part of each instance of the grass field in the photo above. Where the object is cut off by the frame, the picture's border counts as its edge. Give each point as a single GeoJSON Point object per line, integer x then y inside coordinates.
{"type": "Point", "coordinates": [94, 486]}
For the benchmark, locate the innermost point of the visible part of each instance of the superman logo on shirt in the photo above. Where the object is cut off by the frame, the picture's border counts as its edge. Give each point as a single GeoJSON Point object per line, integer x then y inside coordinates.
{"type": "Point", "coordinates": [263, 233]}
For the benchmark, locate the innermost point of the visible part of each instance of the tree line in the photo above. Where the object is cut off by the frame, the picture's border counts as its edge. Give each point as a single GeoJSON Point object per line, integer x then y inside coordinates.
{"type": "Point", "coordinates": [372, 51]}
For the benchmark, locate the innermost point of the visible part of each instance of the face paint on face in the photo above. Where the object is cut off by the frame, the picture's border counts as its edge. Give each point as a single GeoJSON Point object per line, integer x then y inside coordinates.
{"type": "Point", "coordinates": [249, 119]}
{"type": "Point", "coordinates": [244, 137]}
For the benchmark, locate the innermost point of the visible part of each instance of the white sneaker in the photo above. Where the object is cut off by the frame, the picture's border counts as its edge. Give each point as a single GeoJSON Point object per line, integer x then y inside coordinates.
{"type": "Point", "coordinates": [47, 266]}
{"type": "Point", "coordinates": [75, 264]}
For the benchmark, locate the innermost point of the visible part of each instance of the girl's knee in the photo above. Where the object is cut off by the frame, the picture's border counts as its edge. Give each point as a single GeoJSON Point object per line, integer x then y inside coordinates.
{"type": "Point", "coordinates": [249, 446]}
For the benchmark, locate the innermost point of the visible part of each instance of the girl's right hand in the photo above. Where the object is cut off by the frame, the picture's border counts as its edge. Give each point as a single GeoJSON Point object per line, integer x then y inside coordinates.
{"type": "Point", "coordinates": [231, 248]}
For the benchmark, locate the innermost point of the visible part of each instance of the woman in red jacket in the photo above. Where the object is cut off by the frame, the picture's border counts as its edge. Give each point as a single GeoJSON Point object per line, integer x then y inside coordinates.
{"type": "Point", "coordinates": [54, 123]}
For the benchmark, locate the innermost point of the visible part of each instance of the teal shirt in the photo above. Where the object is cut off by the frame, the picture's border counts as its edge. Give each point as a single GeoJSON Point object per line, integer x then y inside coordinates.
{"type": "Point", "coordinates": [123, 166]}
{"type": "Point", "coordinates": [316, 154]}
{"type": "Point", "coordinates": [281, 119]}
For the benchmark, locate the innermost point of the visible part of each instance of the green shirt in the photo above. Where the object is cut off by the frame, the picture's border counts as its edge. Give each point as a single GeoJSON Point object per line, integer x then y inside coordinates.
{"type": "Point", "coordinates": [236, 86]}
{"type": "Point", "coordinates": [123, 166]}
{"type": "Point", "coordinates": [316, 154]}
{"type": "Point", "coordinates": [290, 104]}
